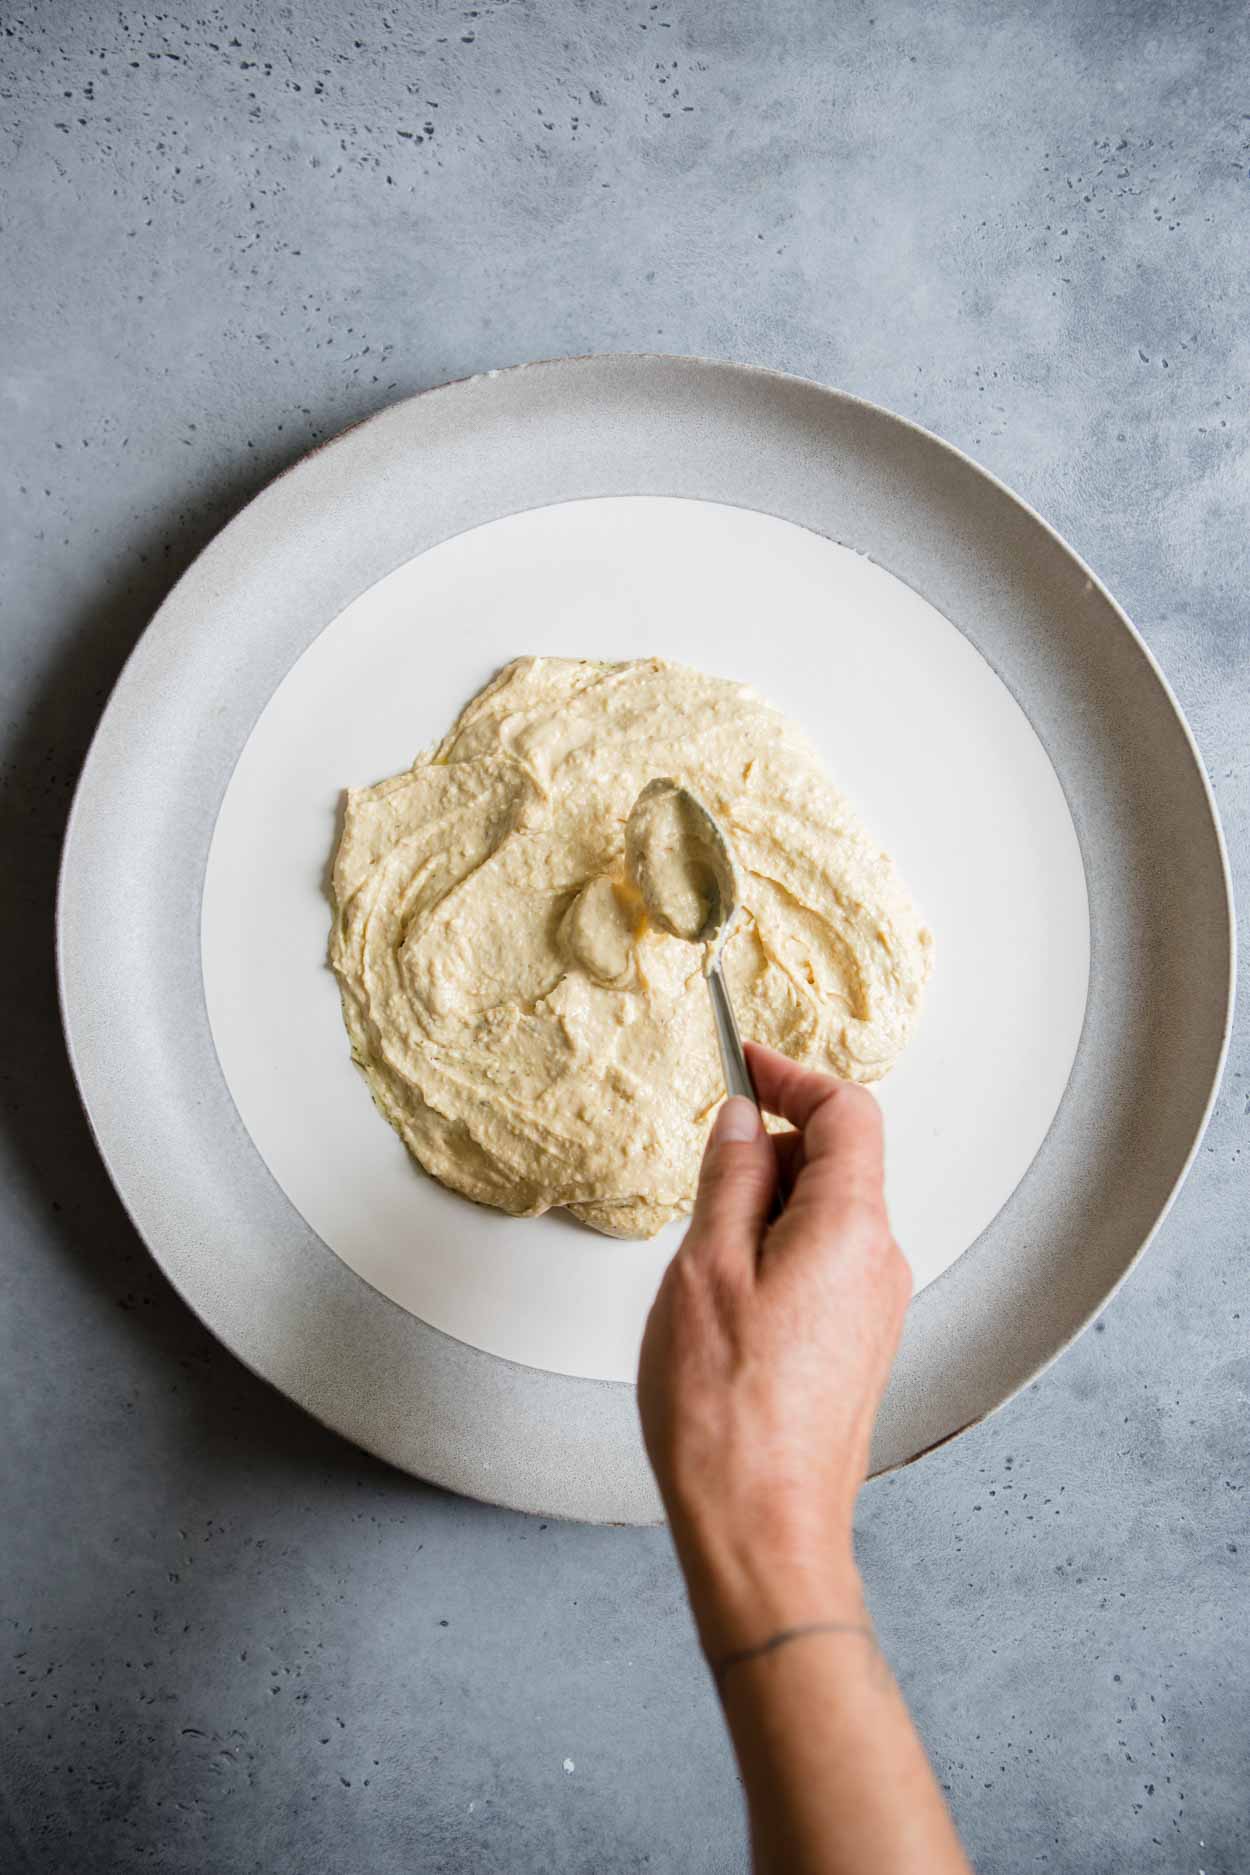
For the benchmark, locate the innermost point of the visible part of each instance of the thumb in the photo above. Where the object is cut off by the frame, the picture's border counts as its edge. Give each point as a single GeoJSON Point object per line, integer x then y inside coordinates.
{"type": "Point", "coordinates": [735, 1185]}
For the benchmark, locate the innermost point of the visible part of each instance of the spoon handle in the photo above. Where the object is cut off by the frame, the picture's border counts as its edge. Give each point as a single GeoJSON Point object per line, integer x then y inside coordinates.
{"type": "Point", "coordinates": [733, 1061]}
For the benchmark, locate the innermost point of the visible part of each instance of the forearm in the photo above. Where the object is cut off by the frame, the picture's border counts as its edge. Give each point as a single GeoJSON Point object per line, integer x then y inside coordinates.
{"type": "Point", "coordinates": [835, 1775]}
{"type": "Point", "coordinates": [764, 1362]}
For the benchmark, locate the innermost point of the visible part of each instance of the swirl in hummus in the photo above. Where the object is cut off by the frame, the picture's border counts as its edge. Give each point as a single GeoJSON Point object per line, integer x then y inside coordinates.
{"type": "Point", "coordinates": [532, 1036]}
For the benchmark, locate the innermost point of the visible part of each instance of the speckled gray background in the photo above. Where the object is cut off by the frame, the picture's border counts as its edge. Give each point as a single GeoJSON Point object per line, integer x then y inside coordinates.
{"type": "Point", "coordinates": [228, 1641]}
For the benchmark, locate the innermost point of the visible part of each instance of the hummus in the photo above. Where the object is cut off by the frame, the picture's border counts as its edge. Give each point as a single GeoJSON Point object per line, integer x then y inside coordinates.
{"type": "Point", "coordinates": [529, 1032]}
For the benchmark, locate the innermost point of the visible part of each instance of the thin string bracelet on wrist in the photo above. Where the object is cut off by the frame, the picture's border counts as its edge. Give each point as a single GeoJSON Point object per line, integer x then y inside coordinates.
{"type": "Point", "coordinates": [782, 1638]}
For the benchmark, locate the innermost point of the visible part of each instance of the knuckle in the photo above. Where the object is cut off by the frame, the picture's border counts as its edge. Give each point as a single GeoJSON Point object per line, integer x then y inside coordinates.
{"type": "Point", "coordinates": [700, 1276]}
{"type": "Point", "coordinates": [686, 1273]}
{"type": "Point", "coordinates": [725, 1292]}
{"type": "Point", "coordinates": [733, 1160]}
{"type": "Point", "coordinates": [861, 1220]}
{"type": "Point", "coordinates": [849, 1117]}
{"type": "Point", "coordinates": [898, 1273]}
{"type": "Point", "coordinates": [736, 1183]}
{"type": "Point", "coordinates": [861, 1106]}
{"type": "Point", "coordinates": [734, 1180]}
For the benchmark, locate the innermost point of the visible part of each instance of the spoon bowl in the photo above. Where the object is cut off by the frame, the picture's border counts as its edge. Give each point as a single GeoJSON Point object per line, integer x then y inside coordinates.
{"type": "Point", "coordinates": [679, 857]}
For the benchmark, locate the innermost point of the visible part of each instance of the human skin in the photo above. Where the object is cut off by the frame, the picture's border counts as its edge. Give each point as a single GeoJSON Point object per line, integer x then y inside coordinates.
{"type": "Point", "coordinates": [764, 1361]}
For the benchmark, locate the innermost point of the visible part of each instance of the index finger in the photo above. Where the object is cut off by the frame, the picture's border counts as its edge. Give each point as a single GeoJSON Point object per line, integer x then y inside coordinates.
{"type": "Point", "coordinates": [785, 1088]}
{"type": "Point", "coordinates": [843, 1147]}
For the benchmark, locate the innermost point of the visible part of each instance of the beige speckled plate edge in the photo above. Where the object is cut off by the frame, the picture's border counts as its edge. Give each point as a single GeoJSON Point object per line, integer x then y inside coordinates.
{"type": "Point", "coordinates": [1160, 1001]}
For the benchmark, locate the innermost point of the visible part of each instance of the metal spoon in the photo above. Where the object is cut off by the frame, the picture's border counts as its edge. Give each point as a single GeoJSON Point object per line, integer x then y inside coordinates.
{"type": "Point", "coordinates": [680, 859]}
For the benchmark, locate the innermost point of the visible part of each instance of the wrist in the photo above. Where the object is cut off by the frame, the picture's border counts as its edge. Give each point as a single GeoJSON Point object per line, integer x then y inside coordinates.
{"type": "Point", "coordinates": [741, 1594]}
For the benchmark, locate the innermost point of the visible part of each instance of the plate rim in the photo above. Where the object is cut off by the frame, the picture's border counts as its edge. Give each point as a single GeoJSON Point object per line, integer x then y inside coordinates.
{"type": "Point", "coordinates": [728, 370]}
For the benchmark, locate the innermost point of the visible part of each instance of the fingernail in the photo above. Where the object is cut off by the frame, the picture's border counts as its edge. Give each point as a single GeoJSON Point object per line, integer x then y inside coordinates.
{"type": "Point", "coordinates": [738, 1119]}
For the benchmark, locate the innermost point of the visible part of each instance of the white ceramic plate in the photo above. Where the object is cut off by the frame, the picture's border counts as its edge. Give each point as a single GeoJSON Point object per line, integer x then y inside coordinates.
{"type": "Point", "coordinates": [912, 721]}
{"type": "Point", "coordinates": [998, 723]}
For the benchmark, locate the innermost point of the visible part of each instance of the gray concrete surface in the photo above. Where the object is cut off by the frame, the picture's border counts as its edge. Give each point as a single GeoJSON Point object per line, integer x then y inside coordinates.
{"type": "Point", "coordinates": [229, 1642]}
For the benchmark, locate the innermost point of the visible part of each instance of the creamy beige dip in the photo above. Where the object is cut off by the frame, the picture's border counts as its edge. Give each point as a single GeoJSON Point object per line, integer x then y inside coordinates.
{"type": "Point", "coordinates": [530, 1033]}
